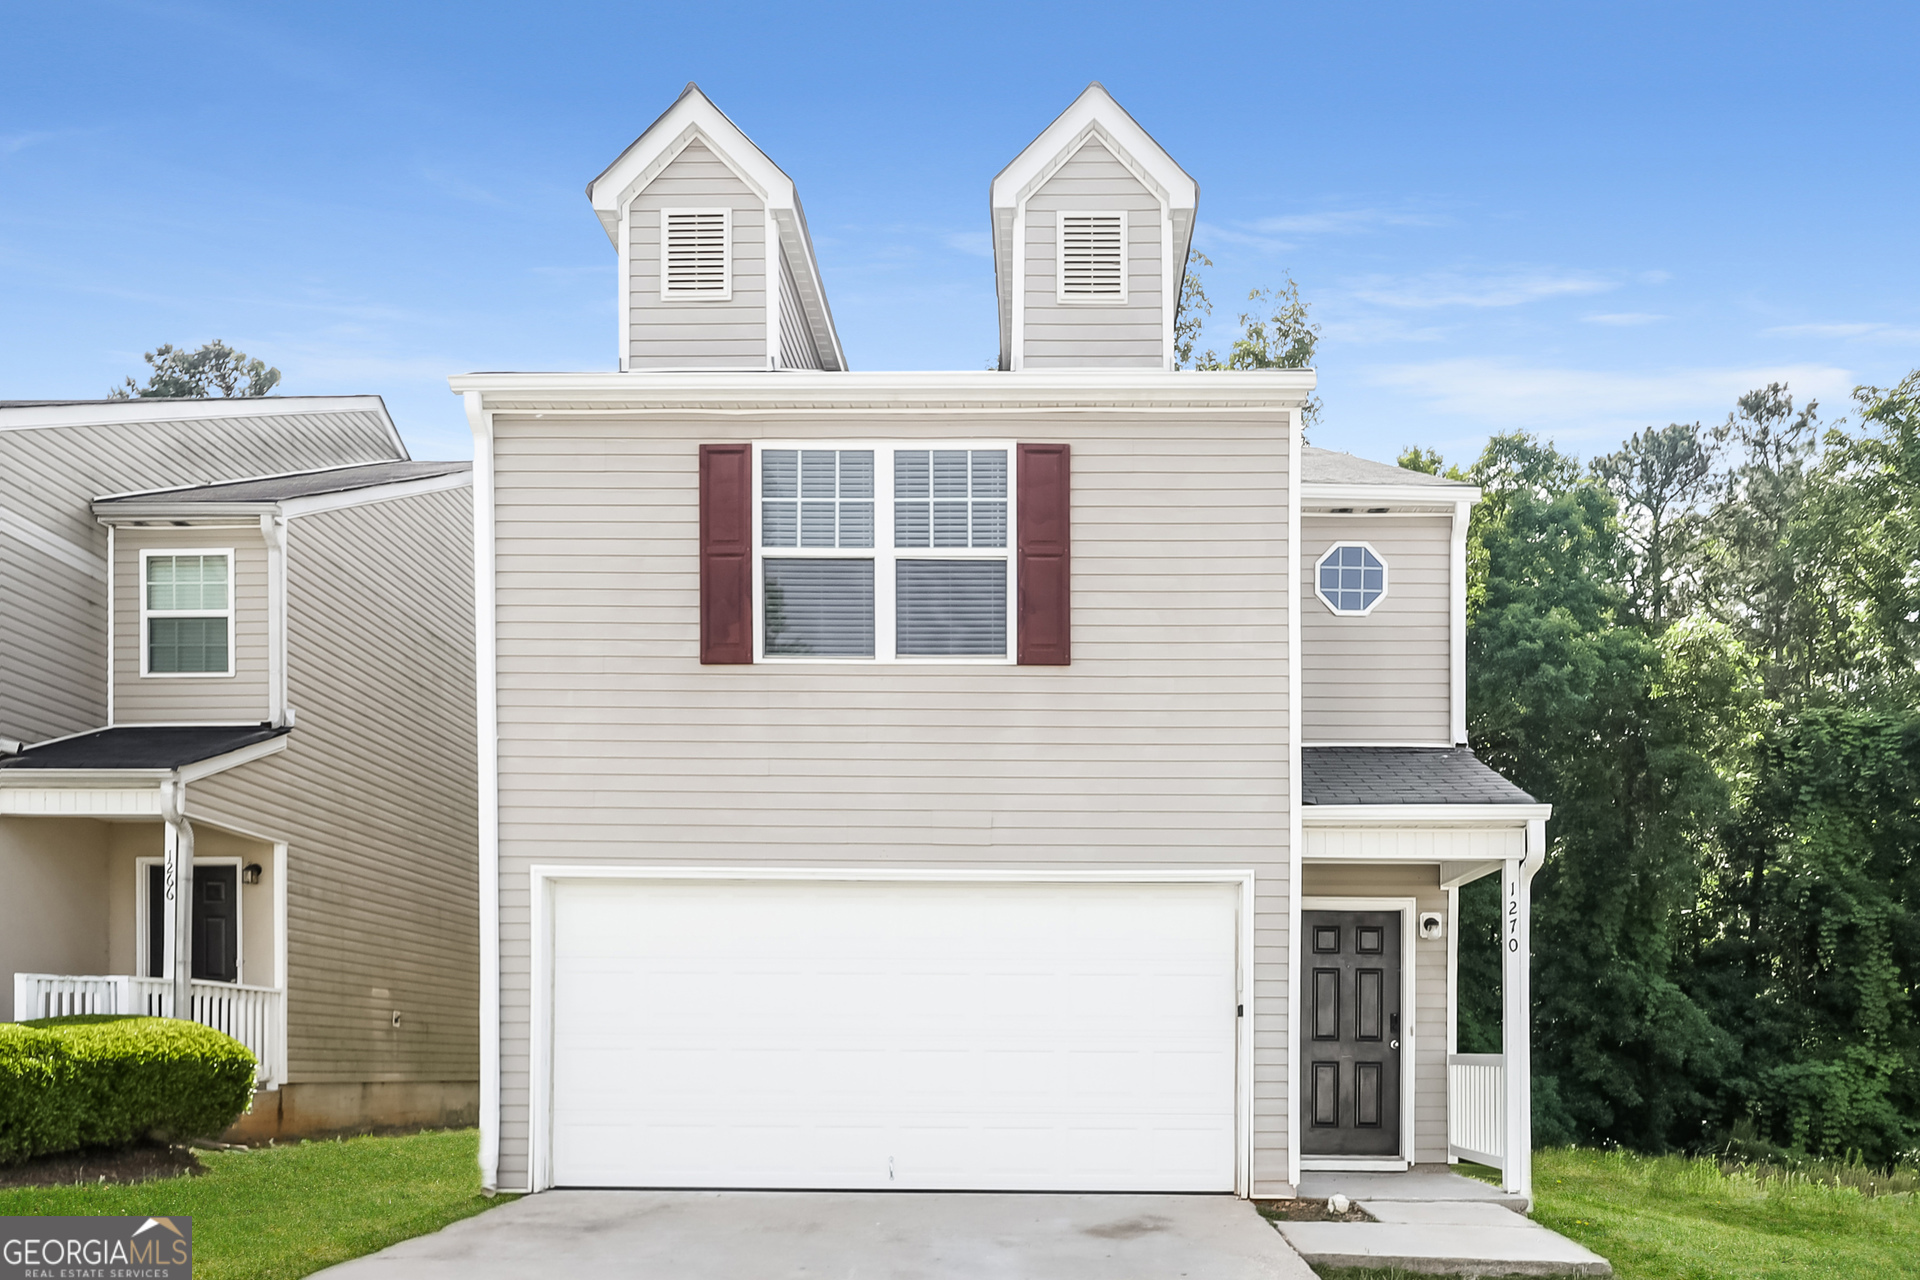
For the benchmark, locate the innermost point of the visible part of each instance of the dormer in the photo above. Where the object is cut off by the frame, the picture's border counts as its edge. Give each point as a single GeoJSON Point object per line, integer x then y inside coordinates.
{"type": "Point", "coordinates": [1091, 225]}
{"type": "Point", "coordinates": [716, 267]}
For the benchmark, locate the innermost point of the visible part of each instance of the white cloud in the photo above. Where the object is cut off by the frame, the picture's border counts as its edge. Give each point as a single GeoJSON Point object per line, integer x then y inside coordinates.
{"type": "Point", "coordinates": [1456, 289]}
{"type": "Point", "coordinates": [1872, 331]}
{"type": "Point", "coordinates": [1581, 403]}
{"type": "Point", "coordinates": [1623, 318]}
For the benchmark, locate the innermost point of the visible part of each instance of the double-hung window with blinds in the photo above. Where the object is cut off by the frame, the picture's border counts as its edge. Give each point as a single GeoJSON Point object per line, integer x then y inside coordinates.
{"type": "Point", "coordinates": [1093, 265]}
{"type": "Point", "coordinates": [884, 552]}
{"type": "Point", "coordinates": [186, 613]}
{"type": "Point", "coordinates": [696, 258]}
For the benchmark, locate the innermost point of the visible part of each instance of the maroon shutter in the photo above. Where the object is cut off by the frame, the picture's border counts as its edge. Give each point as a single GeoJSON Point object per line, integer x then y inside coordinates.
{"type": "Point", "coordinates": [1046, 501]}
{"type": "Point", "coordinates": [726, 553]}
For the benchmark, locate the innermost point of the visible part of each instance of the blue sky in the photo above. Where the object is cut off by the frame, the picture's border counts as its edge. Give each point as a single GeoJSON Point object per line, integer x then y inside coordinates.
{"type": "Point", "coordinates": [1572, 218]}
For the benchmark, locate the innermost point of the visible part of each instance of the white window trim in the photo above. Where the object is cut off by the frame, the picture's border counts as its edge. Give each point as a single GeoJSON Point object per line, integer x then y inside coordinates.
{"type": "Point", "coordinates": [726, 243]}
{"type": "Point", "coordinates": [142, 897]}
{"type": "Point", "coordinates": [1060, 260]}
{"type": "Point", "coordinates": [146, 614]}
{"type": "Point", "coordinates": [1386, 579]}
{"type": "Point", "coordinates": [885, 555]}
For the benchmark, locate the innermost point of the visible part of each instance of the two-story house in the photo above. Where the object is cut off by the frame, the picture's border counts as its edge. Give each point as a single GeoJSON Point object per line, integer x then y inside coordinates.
{"type": "Point", "coordinates": [1044, 778]}
{"type": "Point", "coordinates": [237, 742]}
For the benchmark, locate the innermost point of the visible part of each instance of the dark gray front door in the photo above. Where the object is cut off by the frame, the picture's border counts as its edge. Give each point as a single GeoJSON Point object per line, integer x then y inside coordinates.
{"type": "Point", "coordinates": [216, 923]}
{"type": "Point", "coordinates": [1350, 1034]}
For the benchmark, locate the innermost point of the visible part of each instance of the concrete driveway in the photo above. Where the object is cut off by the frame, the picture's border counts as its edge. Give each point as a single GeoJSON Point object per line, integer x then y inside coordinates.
{"type": "Point", "coordinates": [777, 1235]}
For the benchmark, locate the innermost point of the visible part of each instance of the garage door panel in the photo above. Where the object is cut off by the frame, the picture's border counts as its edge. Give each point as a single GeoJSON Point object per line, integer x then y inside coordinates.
{"type": "Point", "coordinates": [822, 1034]}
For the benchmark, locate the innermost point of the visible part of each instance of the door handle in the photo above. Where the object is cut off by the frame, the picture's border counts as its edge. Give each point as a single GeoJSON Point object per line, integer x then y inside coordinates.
{"type": "Point", "coordinates": [1395, 1022]}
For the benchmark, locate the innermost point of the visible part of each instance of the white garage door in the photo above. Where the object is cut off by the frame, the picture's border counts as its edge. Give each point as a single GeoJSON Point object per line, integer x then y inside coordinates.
{"type": "Point", "coordinates": [893, 1035]}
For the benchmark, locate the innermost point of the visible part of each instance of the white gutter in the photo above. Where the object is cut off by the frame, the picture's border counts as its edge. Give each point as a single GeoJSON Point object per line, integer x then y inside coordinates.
{"type": "Point", "coordinates": [487, 716]}
{"type": "Point", "coordinates": [1457, 619]}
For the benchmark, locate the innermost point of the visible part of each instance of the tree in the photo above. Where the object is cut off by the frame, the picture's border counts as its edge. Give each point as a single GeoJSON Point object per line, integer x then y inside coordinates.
{"type": "Point", "coordinates": [1284, 337]}
{"type": "Point", "coordinates": [180, 374]}
{"type": "Point", "coordinates": [1429, 462]}
{"type": "Point", "coordinates": [1658, 478]}
{"type": "Point", "coordinates": [1194, 310]}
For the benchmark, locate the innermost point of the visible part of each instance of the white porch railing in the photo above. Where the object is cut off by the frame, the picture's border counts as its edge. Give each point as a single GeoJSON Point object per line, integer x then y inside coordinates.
{"type": "Point", "coordinates": [250, 1015]}
{"type": "Point", "coordinates": [1477, 1107]}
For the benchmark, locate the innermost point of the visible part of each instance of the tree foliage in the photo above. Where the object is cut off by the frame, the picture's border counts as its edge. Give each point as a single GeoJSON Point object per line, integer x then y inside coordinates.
{"type": "Point", "coordinates": [1278, 333]}
{"type": "Point", "coordinates": [1701, 650]}
{"type": "Point", "coordinates": [179, 373]}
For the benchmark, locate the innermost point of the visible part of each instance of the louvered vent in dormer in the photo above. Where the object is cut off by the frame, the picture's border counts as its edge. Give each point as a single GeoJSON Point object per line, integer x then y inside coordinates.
{"type": "Point", "coordinates": [698, 261]}
{"type": "Point", "coordinates": [1093, 257]}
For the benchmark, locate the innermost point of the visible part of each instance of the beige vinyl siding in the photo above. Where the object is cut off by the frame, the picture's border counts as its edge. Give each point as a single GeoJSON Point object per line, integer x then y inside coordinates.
{"type": "Point", "coordinates": [796, 336]}
{"type": "Point", "coordinates": [1382, 678]}
{"type": "Point", "coordinates": [375, 794]}
{"type": "Point", "coordinates": [1163, 745]}
{"type": "Point", "coordinates": [192, 699]}
{"type": "Point", "coordinates": [1421, 883]}
{"type": "Point", "coordinates": [53, 916]}
{"type": "Point", "coordinates": [702, 334]}
{"type": "Point", "coordinates": [1082, 334]}
{"type": "Point", "coordinates": [53, 628]}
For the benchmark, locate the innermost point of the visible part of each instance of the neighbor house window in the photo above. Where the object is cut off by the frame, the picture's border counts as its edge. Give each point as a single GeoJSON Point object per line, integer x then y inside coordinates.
{"type": "Point", "coordinates": [696, 255]}
{"type": "Point", "coordinates": [1351, 578]}
{"type": "Point", "coordinates": [884, 552]}
{"type": "Point", "coordinates": [186, 613]}
{"type": "Point", "coordinates": [1093, 265]}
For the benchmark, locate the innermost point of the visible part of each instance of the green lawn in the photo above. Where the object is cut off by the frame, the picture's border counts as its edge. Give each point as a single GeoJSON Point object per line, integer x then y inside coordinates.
{"type": "Point", "coordinates": [287, 1211]}
{"type": "Point", "coordinates": [1671, 1218]}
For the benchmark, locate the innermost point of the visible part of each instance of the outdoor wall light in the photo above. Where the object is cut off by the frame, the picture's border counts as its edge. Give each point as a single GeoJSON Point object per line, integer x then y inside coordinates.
{"type": "Point", "coordinates": [250, 874]}
{"type": "Point", "coordinates": [1433, 926]}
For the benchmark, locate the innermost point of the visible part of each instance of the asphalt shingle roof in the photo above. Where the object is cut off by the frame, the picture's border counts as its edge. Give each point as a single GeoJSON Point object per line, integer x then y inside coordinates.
{"type": "Point", "coordinates": [298, 484]}
{"type": "Point", "coordinates": [1402, 775]}
{"type": "Point", "coordinates": [1329, 466]}
{"type": "Point", "coordinates": [141, 747]}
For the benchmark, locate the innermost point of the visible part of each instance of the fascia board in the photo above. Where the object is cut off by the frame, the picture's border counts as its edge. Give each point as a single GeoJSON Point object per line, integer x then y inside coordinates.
{"type": "Point", "coordinates": [1403, 815]}
{"type": "Point", "coordinates": [561, 393]}
{"type": "Point", "coordinates": [313, 503]}
{"type": "Point", "coordinates": [189, 514]}
{"type": "Point", "coordinates": [82, 779]}
{"type": "Point", "coordinates": [233, 759]}
{"type": "Point", "coordinates": [1095, 106]}
{"type": "Point", "coordinates": [1357, 494]}
{"type": "Point", "coordinates": [125, 512]}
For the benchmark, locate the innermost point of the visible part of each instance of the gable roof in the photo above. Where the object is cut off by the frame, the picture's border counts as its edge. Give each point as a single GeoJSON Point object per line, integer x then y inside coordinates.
{"type": "Point", "coordinates": [1094, 116]}
{"type": "Point", "coordinates": [694, 117]}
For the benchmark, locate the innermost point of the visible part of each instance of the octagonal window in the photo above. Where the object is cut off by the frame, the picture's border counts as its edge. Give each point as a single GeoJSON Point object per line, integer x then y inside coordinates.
{"type": "Point", "coordinates": [1351, 578]}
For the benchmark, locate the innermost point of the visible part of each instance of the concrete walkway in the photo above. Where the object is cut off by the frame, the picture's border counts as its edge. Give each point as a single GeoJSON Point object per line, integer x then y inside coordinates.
{"type": "Point", "coordinates": [797, 1235]}
{"type": "Point", "coordinates": [1478, 1237]}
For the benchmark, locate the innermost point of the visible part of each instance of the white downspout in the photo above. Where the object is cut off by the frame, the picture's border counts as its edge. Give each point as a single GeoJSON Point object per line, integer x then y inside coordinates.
{"type": "Point", "coordinates": [487, 724]}
{"type": "Point", "coordinates": [179, 890]}
{"type": "Point", "coordinates": [273, 531]}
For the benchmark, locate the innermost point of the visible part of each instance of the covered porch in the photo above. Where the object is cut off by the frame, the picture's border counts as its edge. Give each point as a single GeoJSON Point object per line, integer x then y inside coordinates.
{"type": "Point", "coordinates": [119, 903]}
{"type": "Point", "coordinates": [1389, 837]}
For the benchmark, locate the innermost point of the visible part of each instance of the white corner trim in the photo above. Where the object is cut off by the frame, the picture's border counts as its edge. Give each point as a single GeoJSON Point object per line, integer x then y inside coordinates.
{"type": "Point", "coordinates": [487, 718]}
{"type": "Point", "coordinates": [1457, 620]}
{"type": "Point", "coordinates": [1296, 819]}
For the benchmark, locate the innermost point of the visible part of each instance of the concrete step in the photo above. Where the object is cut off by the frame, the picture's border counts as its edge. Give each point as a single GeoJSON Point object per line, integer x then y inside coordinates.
{"type": "Point", "coordinates": [1461, 1238]}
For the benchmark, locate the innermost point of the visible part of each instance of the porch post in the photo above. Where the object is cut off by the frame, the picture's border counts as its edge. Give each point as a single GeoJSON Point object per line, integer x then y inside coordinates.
{"type": "Point", "coordinates": [1516, 948]}
{"type": "Point", "coordinates": [179, 890]}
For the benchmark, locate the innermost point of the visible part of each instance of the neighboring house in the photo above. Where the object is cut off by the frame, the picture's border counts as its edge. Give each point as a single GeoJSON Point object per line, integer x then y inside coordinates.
{"type": "Point", "coordinates": [1043, 779]}
{"type": "Point", "coordinates": [236, 657]}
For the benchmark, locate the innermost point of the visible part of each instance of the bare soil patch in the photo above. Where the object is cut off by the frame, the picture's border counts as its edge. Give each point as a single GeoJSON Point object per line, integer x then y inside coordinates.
{"type": "Point", "coordinates": [139, 1163]}
{"type": "Point", "coordinates": [1306, 1211]}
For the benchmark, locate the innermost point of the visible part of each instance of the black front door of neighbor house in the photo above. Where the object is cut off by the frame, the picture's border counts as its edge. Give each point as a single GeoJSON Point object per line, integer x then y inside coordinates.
{"type": "Point", "coordinates": [216, 923]}
{"type": "Point", "coordinates": [1350, 1033]}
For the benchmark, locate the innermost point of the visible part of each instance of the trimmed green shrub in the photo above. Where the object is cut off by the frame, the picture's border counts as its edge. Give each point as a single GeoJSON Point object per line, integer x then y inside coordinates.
{"type": "Point", "coordinates": [103, 1081]}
